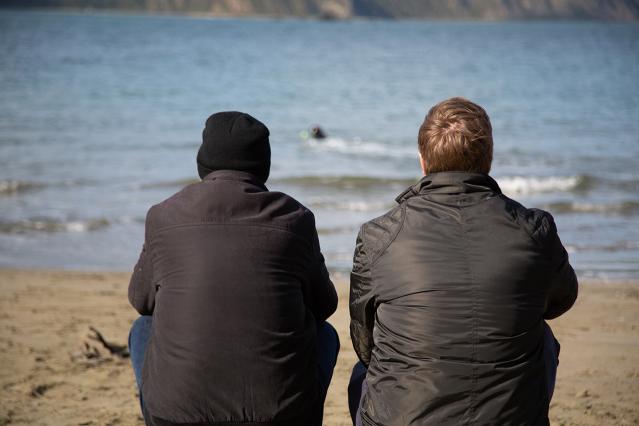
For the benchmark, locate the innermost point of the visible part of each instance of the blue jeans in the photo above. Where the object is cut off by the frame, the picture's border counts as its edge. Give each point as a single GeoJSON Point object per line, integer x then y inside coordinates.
{"type": "Point", "coordinates": [357, 386]}
{"type": "Point", "coordinates": [138, 340]}
{"type": "Point", "coordinates": [327, 350]}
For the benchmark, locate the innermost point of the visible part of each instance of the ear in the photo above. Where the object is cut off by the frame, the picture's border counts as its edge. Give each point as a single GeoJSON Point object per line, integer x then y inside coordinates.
{"type": "Point", "coordinates": [422, 163]}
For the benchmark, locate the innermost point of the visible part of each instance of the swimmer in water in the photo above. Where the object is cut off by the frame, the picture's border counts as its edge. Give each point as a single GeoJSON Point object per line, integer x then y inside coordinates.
{"type": "Point", "coordinates": [317, 133]}
{"type": "Point", "coordinates": [314, 132]}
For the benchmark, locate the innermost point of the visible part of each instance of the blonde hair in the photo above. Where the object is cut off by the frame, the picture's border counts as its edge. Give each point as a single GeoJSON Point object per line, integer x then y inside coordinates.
{"type": "Point", "coordinates": [456, 136]}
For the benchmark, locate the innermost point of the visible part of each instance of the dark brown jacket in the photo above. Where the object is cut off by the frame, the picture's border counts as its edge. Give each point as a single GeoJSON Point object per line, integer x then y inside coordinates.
{"type": "Point", "coordinates": [449, 293]}
{"type": "Point", "coordinates": [234, 278]}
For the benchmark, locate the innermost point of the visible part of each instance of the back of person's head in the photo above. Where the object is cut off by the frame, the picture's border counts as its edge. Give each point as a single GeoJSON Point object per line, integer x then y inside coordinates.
{"type": "Point", "coordinates": [456, 136]}
{"type": "Point", "coordinates": [234, 140]}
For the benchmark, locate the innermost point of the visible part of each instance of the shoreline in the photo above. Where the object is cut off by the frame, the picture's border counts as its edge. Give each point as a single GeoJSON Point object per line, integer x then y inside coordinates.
{"type": "Point", "coordinates": [48, 376]}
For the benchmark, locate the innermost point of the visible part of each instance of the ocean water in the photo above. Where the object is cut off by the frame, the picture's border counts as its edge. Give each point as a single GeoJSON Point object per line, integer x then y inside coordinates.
{"type": "Point", "coordinates": [101, 117]}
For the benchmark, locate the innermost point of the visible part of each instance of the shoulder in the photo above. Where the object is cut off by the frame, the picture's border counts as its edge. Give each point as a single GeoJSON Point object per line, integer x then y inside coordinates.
{"type": "Point", "coordinates": [177, 198]}
{"type": "Point", "coordinates": [538, 223]}
{"type": "Point", "coordinates": [206, 202]}
{"type": "Point", "coordinates": [377, 234]}
{"type": "Point", "coordinates": [158, 212]}
{"type": "Point", "coordinates": [291, 213]}
{"type": "Point", "coordinates": [288, 203]}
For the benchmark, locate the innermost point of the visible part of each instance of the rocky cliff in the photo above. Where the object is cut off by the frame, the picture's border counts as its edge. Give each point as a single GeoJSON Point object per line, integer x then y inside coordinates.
{"type": "Point", "coordinates": [343, 9]}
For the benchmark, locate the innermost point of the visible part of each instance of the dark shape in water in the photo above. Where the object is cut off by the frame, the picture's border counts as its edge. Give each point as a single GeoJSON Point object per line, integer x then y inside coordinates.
{"type": "Point", "coordinates": [317, 133]}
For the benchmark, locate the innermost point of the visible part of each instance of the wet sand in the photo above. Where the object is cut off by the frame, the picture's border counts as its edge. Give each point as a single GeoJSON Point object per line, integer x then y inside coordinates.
{"type": "Point", "coordinates": [53, 373]}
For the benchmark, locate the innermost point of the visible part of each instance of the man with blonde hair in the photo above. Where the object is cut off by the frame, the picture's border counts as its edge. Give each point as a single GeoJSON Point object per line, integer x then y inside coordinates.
{"type": "Point", "coordinates": [450, 291]}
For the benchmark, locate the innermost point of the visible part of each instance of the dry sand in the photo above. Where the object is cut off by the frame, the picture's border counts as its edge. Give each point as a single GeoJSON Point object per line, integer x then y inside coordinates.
{"type": "Point", "coordinates": [47, 378]}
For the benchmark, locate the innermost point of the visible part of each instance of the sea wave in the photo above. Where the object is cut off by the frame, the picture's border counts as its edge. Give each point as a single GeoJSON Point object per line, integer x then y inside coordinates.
{"type": "Point", "coordinates": [532, 185]}
{"type": "Point", "coordinates": [337, 230]}
{"type": "Point", "coordinates": [510, 185]}
{"type": "Point", "coordinates": [621, 208]}
{"type": "Point", "coordinates": [52, 225]}
{"type": "Point", "coordinates": [178, 183]}
{"type": "Point", "coordinates": [337, 182]}
{"type": "Point", "coordinates": [360, 147]}
{"type": "Point", "coordinates": [353, 206]}
{"type": "Point", "coordinates": [610, 247]}
{"type": "Point", "coordinates": [629, 185]}
{"type": "Point", "coordinates": [345, 182]}
{"type": "Point", "coordinates": [12, 187]}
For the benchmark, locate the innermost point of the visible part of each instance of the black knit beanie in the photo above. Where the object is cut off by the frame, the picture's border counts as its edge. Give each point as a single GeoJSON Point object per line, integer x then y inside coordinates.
{"type": "Point", "coordinates": [234, 140]}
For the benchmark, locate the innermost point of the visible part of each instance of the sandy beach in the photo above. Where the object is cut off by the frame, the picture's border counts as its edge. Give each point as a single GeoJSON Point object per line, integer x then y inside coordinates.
{"type": "Point", "coordinates": [54, 372]}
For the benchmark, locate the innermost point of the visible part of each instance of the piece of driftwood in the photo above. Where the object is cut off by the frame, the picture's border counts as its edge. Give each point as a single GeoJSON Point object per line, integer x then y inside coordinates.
{"type": "Point", "coordinates": [121, 351]}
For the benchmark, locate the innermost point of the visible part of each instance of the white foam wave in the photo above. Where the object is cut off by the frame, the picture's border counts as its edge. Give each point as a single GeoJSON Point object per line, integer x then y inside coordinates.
{"type": "Point", "coordinates": [357, 146]}
{"type": "Point", "coordinates": [532, 185]}
{"type": "Point", "coordinates": [628, 207]}
{"type": "Point", "coordinates": [50, 225]}
{"type": "Point", "coordinates": [337, 230]}
{"type": "Point", "coordinates": [9, 187]}
{"type": "Point", "coordinates": [610, 247]}
{"type": "Point", "coordinates": [353, 206]}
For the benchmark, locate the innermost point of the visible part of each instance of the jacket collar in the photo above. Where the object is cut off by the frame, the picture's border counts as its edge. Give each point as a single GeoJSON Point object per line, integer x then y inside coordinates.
{"type": "Point", "coordinates": [451, 183]}
{"type": "Point", "coordinates": [235, 175]}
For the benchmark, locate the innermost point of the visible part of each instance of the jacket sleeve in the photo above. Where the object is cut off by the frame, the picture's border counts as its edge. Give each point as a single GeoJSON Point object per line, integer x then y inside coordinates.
{"type": "Point", "coordinates": [362, 302]}
{"type": "Point", "coordinates": [323, 297]}
{"type": "Point", "coordinates": [141, 287]}
{"type": "Point", "coordinates": [563, 285]}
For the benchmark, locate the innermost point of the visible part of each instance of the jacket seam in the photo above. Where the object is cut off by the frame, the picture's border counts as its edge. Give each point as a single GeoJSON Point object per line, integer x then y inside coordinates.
{"type": "Point", "coordinates": [366, 253]}
{"type": "Point", "coordinates": [370, 283]}
{"type": "Point", "coordinates": [150, 263]}
{"type": "Point", "coordinates": [193, 224]}
{"type": "Point", "coordinates": [523, 226]}
{"type": "Point", "coordinates": [366, 419]}
{"type": "Point", "coordinates": [472, 396]}
{"type": "Point", "coordinates": [393, 237]}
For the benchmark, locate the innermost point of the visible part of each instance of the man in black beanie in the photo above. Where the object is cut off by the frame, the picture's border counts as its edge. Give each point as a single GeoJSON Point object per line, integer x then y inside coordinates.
{"type": "Point", "coordinates": [234, 141]}
{"type": "Point", "coordinates": [234, 295]}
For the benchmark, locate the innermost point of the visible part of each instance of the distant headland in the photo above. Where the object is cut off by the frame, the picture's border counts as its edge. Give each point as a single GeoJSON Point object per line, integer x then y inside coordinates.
{"type": "Point", "coordinates": [491, 10]}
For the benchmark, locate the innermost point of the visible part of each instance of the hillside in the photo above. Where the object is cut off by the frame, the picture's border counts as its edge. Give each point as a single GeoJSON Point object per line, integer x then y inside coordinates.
{"type": "Point", "coordinates": [625, 10]}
